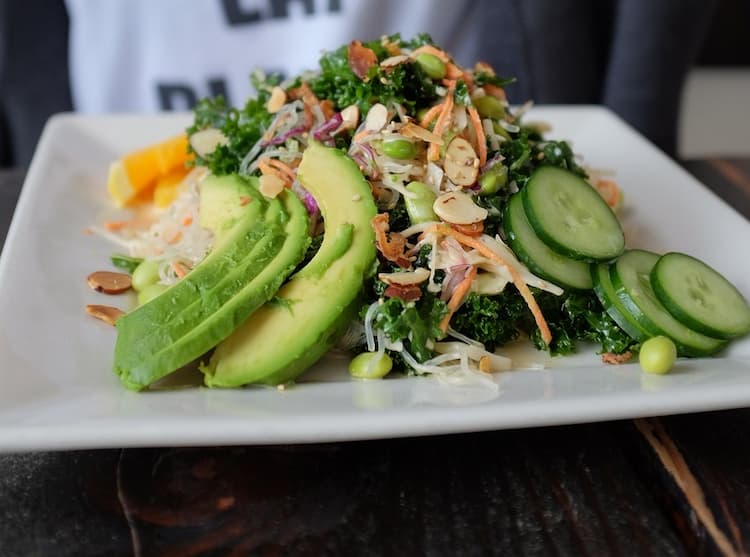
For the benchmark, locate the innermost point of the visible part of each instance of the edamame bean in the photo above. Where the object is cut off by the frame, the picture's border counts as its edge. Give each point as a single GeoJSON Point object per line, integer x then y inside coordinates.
{"type": "Point", "coordinates": [150, 291]}
{"type": "Point", "coordinates": [657, 355]}
{"type": "Point", "coordinates": [399, 148]}
{"type": "Point", "coordinates": [489, 107]}
{"type": "Point", "coordinates": [419, 206]}
{"type": "Point", "coordinates": [145, 274]}
{"type": "Point", "coordinates": [433, 66]}
{"type": "Point", "coordinates": [369, 365]}
{"type": "Point", "coordinates": [493, 180]}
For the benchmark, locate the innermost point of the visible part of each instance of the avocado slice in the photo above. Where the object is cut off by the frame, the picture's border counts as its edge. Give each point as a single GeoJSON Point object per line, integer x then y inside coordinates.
{"type": "Point", "coordinates": [283, 338]}
{"type": "Point", "coordinates": [258, 245]}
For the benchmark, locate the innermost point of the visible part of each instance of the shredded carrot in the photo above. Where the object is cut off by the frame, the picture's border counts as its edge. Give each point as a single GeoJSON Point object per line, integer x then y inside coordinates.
{"type": "Point", "coordinates": [244, 200]}
{"type": "Point", "coordinates": [266, 168]}
{"type": "Point", "coordinates": [609, 190]}
{"type": "Point", "coordinates": [175, 238]}
{"type": "Point", "coordinates": [517, 281]}
{"type": "Point", "coordinates": [283, 167]}
{"type": "Point", "coordinates": [115, 225]}
{"type": "Point", "coordinates": [458, 296]}
{"type": "Point", "coordinates": [179, 269]}
{"type": "Point", "coordinates": [481, 141]}
{"type": "Point", "coordinates": [187, 220]}
{"type": "Point", "coordinates": [443, 121]}
{"type": "Point", "coordinates": [454, 72]}
{"type": "Point", "coordinates": [429, 49]}
{"type": "Point", "coordinates": [430, 115]}
{"type": "Point", "coordinates": [495, 91]}
{"type": "Point", "coordinates": [360, 136]}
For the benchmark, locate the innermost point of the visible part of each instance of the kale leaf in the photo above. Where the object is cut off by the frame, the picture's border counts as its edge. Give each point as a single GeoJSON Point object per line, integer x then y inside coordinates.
{"type": "Point", "coordinates": [416, 324]}
{"type": "Point", "coordinates": [572, 317]}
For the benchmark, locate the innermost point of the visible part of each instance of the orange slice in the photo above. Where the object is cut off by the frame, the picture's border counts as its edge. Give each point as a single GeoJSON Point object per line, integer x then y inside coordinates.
{"type": "Point", "coordinates": [139, 170]}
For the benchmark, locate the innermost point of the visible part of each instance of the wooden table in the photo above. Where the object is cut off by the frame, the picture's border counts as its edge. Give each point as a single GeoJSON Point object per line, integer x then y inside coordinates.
{"type": "Point", "coordinates": [664, 486]}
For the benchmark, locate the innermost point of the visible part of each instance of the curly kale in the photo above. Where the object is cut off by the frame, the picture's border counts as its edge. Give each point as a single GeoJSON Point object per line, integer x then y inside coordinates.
{"type": "Point", "coordinates": [416, 324]}
{"type": "Point", "coordinates": [572, 317]}
{"type": "Point", "coordinates": [406, 83]}
{"type": "Point", "coordinates": [242, 127]}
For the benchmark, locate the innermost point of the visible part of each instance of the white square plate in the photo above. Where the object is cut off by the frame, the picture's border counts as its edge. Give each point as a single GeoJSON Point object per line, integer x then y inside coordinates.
{"type": "Point", "coordinates": [57, 390]}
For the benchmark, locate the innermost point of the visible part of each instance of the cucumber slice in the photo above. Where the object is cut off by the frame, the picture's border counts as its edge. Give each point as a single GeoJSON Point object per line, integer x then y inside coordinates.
{"type": "Point", "coordinates": [613, 306]}
{"type": "Point", "coordinates": [700, 297]}
{"type": "Point", "coordinates": [631, 280]}
{"type": "Point", "coordinates": [537, 256]}
{"type": "Point", "coordinates": [570, 216]}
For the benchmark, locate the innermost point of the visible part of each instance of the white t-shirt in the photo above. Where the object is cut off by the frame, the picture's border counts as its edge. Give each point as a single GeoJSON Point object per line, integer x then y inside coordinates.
{"type": "Point", "coordinates": [151, 55]}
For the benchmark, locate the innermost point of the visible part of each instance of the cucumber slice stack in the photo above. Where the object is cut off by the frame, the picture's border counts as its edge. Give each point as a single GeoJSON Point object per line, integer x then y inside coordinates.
{"type": "Point", "coordinates": [564, 232]}
{"type": "Point", "coordinates": [558, 224]}
{"type": "Point", "coordinates": [674, 295]}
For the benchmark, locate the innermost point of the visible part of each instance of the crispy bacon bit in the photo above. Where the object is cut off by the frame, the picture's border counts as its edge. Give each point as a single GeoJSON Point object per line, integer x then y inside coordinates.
{"type": "Point", "coordinates": [303, 92]}
{"type": "Point", "coordinates": [391, 245]}
{"type": "Point", "coordinates": [361, 59]}
{"type": "Point", "coordinates": [327, 107]}
{"type": "Point", "coordinates": [474, 229]}
{"type": "Point", "coordinates": [612, 358]}
{"type": "Point", "coordinates": [406, 293]}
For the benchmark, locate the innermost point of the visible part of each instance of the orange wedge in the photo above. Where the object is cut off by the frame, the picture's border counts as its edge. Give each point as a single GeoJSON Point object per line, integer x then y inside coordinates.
{"type": "Point", "coordinates": [165, 189]}
{"type": "Point", "coordinates": [138, 171]}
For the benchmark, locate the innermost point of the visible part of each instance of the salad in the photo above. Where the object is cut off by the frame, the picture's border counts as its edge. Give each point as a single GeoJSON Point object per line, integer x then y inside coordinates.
{"type": "Point", "coordinates": [472, 229]}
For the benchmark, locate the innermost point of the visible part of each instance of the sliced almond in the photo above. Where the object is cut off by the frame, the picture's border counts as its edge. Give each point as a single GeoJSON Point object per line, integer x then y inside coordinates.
{"type": "Point", "coordinates": [456, 207]}
{"type": "Point", "coordinates": [418, 132]}
{"type": "Point", "coordinates": [206, 141]}
{"type": "Point", "coordinates": [277, 100]}
{"type": "Point", "coordinates": [108, 314]}
{"type": "Point", "coordinates": [109, 282]}
{"type": "Point", "coordinates": [407, 278]}
{"type": "Point", "coordinates": [377, 118]}
{"type": "Point", "coordinates": [349, 118]}
{"type": "Point", "coordinates": [393, 61]}
{"type": "Point", "coordinates": [461, 162]}
{"type": "Point", "coordinates": [271, 185]}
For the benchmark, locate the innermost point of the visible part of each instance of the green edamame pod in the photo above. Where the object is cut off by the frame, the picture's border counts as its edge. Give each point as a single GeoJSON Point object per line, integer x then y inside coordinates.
{"type": "Point", "coordinates": [489, 107]}
{"type": "Point", "coordinates": [419, 206]}
{"type": "Point", "coordinates": [495, 179]}
{"type": "Point", "coordinates": [433, 66]}
{"type": "Point", "coordinates": [145, 274]}
{"type": "Point", "coordinates": [370, 365]}
{"type": "Point", "coordinates": [399, 148]}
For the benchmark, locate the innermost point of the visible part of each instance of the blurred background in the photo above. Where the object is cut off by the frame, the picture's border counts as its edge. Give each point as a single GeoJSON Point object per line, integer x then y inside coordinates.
{"type": "Point", "coordinates": [711, 119]}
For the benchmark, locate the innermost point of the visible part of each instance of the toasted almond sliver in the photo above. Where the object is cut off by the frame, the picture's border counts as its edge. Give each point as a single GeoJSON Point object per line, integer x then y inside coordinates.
{"type": "Point", "coordinates": [108, 314]}
{"type": "Point", "coordinates": [456, 207]}
{"type": "Point", "coordinates": [407, 278]}
{"type": "Point", "coordinates": [394, 61]}
{"type": "Point", "coordinates": [377, 118]}
{"type": "Point", "coordinates": [461, 162]}
{"type": "Point", "coordinates": [271, 185]}
{"type": "Point", "coordinates": [206, 141]}
{"type": "Point", "coordinates": [418, 132]}
{"type": "Point", "coordinates": [109, 282]}
{"type": "Point", "coordinates": [349, 118]}
{"type": "Point", "coordinates": [277, 100]}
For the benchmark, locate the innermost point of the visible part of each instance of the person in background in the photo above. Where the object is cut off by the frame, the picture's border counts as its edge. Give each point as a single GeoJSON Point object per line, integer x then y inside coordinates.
{"type": "Point", "coordinates": [146, 56]}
